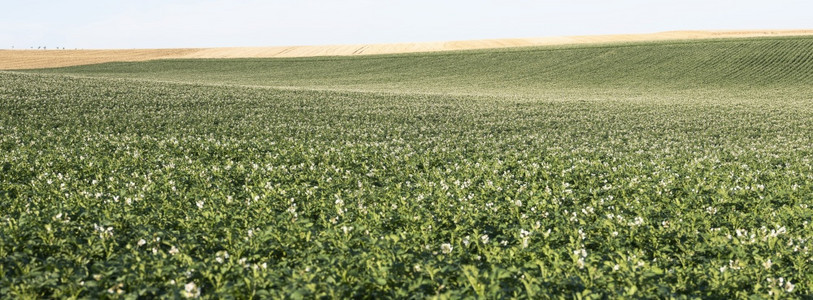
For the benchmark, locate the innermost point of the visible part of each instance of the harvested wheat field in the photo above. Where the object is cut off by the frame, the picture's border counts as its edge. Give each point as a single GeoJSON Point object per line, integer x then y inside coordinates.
{"type": "Point", "coordinates": [33, 59]}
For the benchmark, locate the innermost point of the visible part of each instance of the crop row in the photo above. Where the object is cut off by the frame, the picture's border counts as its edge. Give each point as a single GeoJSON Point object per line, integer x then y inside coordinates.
{"type": "Point", "coordinates": [125, 188]}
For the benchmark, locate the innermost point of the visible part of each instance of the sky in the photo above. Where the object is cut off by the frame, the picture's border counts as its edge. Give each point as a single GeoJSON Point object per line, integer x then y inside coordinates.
{"type": "Point", "coordinates": [106, 24]}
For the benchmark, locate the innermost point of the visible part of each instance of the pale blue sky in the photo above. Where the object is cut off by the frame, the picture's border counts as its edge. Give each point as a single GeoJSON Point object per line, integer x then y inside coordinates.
{"type": "Point", "coordinates": [221, 23]}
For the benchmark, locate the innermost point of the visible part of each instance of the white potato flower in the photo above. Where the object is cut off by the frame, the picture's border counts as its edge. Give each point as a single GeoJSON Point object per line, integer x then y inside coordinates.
{"type": "Point", "coordinates": [446, 248]}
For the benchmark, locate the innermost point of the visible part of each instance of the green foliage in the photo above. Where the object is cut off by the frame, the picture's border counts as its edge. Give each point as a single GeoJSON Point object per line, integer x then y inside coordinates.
{"type": "Point", "coordinates": [727, 63]}
{"type": "Point", "coordinates": [114, 187]}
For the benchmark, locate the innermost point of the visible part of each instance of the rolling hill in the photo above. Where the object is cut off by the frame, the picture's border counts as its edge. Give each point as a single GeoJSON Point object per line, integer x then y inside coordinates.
{"type": "Point", "coordinates": [704, 64]}
{"type": "Point", "coordinates": [657, 169]}
{"type": "Point", "coordinates": [32, 59]}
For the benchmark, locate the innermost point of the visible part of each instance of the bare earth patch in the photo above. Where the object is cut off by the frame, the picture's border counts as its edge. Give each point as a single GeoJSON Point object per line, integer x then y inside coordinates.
{"type": "Point", "coordinates": [32, 59]}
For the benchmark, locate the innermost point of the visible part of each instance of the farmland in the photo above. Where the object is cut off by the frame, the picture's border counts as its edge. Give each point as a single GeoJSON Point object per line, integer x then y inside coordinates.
{"type": "Point", "coordinates": [648, 170]}
{"type": "Point", "coordinates": [16, 59]}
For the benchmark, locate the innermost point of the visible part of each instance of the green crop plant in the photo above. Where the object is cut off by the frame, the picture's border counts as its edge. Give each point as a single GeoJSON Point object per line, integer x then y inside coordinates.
{"type": "Point", "coordinates": [645, 170]}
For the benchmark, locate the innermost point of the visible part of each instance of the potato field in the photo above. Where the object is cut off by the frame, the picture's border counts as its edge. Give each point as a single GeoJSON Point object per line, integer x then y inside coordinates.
{"type": "Point", "coordinates": [638, 170]}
